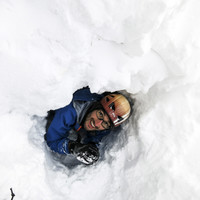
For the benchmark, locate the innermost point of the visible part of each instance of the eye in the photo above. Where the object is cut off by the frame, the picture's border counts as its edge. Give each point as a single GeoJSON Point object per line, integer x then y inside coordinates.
{"type": "Point", "coordinates": [100, 114]}
{"type": "Point", "coordinates": [106, 125]}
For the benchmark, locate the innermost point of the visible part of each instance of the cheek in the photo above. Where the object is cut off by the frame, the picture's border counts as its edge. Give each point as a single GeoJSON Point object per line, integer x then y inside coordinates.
{"type": "Point", "coordinates": [85, 124]}
{"type": "Point", "coordinates": [91, 116]}
{"type": "Point", "coordinates": [87, 119]}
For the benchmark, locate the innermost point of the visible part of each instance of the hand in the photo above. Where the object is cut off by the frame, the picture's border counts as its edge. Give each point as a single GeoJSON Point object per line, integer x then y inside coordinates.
{"type": "Point", "coordinates": [86, 153]}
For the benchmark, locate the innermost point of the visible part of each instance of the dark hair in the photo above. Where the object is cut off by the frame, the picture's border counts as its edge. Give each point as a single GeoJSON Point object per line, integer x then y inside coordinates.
{"type": "Point", "coordinates": [95, 106]}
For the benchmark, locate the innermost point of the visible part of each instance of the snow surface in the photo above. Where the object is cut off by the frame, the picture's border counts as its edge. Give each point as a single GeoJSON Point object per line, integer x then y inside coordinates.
{"type": "Point", "coordinates": [150, 48]}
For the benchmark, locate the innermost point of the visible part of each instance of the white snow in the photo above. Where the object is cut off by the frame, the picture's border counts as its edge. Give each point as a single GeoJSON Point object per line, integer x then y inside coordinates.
{"type": "Point", "coordinates": [150, 48]}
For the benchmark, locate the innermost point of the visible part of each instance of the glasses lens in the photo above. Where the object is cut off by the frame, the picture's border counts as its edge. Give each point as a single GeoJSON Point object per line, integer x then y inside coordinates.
{"type": "Point", "coordinates": [105, 125]}
{"type": "Point", "coordinates": [100, 115]}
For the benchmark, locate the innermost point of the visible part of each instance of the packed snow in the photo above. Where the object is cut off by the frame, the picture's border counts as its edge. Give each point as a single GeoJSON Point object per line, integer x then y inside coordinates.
{"type": "Point", "coordinates": [149, 49]}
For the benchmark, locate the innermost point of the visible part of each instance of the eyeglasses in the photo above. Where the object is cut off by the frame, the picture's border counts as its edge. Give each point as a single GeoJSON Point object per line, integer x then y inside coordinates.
{"type": "Point", "coordinates": [100, 115]}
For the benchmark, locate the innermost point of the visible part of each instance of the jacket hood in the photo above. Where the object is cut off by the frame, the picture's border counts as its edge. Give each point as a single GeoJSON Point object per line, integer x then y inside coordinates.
{"type": "Point", "coordinates": [81, 108]}
{"type": "Point", "coordinates": [82, 100]}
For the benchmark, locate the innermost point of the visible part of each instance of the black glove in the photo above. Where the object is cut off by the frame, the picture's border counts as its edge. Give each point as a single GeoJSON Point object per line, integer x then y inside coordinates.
{"type": "Point", "coordinates": [86, 153]}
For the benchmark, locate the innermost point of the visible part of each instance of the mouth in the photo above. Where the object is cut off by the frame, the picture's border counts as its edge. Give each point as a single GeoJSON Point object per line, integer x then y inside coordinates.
{"type": "Point", "coordinates": [91, 124]}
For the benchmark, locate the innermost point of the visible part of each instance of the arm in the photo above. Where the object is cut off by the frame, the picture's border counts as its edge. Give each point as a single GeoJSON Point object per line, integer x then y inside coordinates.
{"type": "Point", "coordinates": [63, 122]}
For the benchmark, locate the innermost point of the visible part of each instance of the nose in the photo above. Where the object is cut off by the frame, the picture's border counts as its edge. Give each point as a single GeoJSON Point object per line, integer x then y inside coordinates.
{"type": "Point", "coordinates": [98, 122]}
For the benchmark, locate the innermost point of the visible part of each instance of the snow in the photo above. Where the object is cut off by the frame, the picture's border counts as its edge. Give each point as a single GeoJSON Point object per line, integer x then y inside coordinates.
{"type": "Point", "coordinates": [150, 48]}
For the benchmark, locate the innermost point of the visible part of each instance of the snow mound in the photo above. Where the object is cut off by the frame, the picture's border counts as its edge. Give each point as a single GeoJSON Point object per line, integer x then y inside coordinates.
{"type": "Point", "coordinates": [149, 49]}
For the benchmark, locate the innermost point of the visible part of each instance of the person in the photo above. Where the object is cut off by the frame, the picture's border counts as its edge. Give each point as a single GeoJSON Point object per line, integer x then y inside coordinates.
{"type": "Point", "coordinates": [79, 127]}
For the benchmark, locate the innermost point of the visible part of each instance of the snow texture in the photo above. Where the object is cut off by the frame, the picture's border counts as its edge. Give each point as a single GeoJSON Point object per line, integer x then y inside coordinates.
{"type": "Point", "coordinates": [147, 48]}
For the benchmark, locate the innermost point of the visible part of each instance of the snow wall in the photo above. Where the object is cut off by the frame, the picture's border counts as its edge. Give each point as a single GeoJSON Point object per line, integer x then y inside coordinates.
{"type": "Point", "coordinates": [147, 48]}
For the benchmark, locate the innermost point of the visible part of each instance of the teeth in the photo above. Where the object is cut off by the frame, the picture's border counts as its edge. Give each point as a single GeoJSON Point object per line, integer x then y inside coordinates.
{"type": "Point", "coordinates": [92, 124]}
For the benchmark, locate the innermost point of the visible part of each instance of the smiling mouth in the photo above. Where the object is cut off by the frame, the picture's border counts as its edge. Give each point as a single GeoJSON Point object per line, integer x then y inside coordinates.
{"type": "Point", "coordinates": [92, 123]}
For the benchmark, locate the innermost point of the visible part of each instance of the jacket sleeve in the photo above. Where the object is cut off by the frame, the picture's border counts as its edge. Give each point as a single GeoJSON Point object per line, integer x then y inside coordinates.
{"type": "Point", "coordinates": [57, 133]}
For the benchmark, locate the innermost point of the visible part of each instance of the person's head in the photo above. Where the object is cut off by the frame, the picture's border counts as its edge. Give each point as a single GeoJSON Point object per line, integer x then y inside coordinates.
{"type": "Point", "coordinates": [111, 111]}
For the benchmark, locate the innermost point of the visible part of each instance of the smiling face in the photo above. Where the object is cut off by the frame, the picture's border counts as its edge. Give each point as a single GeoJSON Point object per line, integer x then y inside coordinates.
{"type": "Point", "coordinates": [97, 120]}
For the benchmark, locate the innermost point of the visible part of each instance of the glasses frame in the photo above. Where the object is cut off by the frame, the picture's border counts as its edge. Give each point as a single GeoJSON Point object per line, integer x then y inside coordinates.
{"type": "Point", "coordinates": [104, 123]}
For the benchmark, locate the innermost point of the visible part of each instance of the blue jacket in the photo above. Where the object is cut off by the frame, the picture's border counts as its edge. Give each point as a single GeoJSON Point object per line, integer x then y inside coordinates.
{"type": "Point", "coordinates": [66, 122]}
